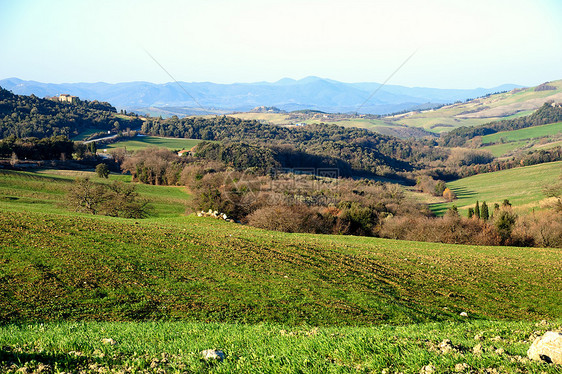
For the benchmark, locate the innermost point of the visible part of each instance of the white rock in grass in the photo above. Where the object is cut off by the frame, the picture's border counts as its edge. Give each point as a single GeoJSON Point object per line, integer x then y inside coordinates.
{"type": "Point", "coordinates": [461, 367]}
{"type": "Point", "coordinates": [428, 369]}
{"type": "Point", "coordinates": [108, 341]}
{"type": "Point", "coordinates": [212, 354]}
{"type": "Point", "coordinates": [464, 314]}
{"type": "Point", "coordinates": [547, 348]}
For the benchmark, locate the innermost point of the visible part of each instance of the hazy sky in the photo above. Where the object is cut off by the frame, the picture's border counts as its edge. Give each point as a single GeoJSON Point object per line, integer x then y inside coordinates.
{"type": "Point", "coordinates": [459, 44]}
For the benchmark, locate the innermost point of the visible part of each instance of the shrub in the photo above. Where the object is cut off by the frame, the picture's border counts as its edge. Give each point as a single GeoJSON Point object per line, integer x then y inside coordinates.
{"type": "Point", "coordinates": [288, 218]}
{"type": "Point", "coordinates": [102, 171]}
{"type": "Point", "coordinates": [544, 230]}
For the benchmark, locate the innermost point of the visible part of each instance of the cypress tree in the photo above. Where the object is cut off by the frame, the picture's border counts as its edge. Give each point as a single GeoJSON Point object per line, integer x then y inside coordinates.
{"type": "Point", "coordinates": [477, 210]}
{"type": "Point", "coordinates": [470, 212]}
{"type": "Point", "coordinates": [484, 213]}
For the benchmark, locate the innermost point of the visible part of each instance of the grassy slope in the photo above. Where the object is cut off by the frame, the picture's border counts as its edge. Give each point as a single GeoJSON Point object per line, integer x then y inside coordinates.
{"type": "Point", "coordinates": [158, 347]}
{"type": "Point", "coordinates": [494, 107]}
{"type": "Point", "coordinates": [499, 150]}
{"type": "Point", "coordinates": [522, 186]}
{"type": "Point", "coordinates": [141, 142]}
{"type": "Point", "coordinates": [56, 265]}
{"type": "Point", "coordinates": [523, 134]}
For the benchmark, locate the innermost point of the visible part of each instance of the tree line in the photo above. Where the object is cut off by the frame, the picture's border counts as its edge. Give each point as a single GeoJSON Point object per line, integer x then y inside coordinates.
{"type": "Point", "coordinates": [359, 149]}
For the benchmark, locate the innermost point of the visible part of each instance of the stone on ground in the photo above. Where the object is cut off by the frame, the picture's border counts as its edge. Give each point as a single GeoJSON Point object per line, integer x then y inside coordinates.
{"type": "Point", "coordinates": [547, 348]}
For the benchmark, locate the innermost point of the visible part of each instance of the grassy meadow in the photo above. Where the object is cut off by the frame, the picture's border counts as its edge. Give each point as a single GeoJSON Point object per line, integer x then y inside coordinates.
{"type": "Point", "coordinates": [552, 129]}
{"type": "Point", "coordinates": [166, 287]}
{"type": "Point", "coordinates": [174, 347]}
{"type": "Point", "coordinates": [522, 186]}
{"type": "Point", "coordinates": [141, 142]}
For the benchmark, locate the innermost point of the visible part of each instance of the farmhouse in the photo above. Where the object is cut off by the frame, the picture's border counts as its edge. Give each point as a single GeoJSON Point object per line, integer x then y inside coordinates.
{"type": "Point", "coordinates": [66, 98]}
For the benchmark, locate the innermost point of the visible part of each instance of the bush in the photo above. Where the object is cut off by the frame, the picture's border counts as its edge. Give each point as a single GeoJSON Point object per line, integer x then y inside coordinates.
{"type": "Point", "coordinates": [102, 171]}
{"type": "Point", "coordinates": [448, 229]}
{"type": "Point", "coordinates": [289, 218]}
{"type": "Point", "coordinates": [544, 230]}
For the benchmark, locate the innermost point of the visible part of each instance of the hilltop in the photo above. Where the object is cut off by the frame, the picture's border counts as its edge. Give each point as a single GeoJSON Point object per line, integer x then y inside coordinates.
{"type": "Point", "coordinates": [512, 104]}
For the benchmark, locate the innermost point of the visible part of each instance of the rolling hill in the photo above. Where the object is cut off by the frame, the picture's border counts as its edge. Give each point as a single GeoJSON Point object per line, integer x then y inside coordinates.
{"type": "Point", "coordinates": [506, 105]}
{"type": "Point", "coordinates": [58, 265]}
{"type": "Point", "coordinates": [517, 102]}
{"type": "Point", "coordinates": [521, 186]}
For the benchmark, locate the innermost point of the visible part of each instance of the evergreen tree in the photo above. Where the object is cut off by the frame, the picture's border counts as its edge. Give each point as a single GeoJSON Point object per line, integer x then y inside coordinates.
{"type": "Point", "coordinates": [484, 214]}
{"type": "Point", "coordinates": [477, 210]}
{"type": "Point", "coordinates": [470, 212]}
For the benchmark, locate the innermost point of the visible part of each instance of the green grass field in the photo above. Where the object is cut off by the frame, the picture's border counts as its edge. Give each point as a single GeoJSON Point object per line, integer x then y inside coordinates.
{"type": "Point", "coordinates": [174, 347]}
{"type": "Point", "coordinates": [141, 142]}
{"type": "Point", "coordinates": [522, 186]}
{"type": "Point", "coordinates": [523, 134]}
{"type": "Point", "coordinates": [71, 266]}
{"type": "Point", "coordinates": [172, 285]}
{"type": "Point", "coordinates": [498, 150]}
{"type": "Point", "coordinates": [44, 191]}
{"type": "Point", "coordinates": [83, 135]}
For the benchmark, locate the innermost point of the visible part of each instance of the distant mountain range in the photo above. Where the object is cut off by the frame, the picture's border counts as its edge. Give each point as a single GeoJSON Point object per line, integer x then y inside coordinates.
{"type": "Point", "coordinates": [286, 94]}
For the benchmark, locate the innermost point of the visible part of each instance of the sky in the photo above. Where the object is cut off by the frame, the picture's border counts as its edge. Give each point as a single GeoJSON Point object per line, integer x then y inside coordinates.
{"type": "Point", "coordinates": [455, 44]}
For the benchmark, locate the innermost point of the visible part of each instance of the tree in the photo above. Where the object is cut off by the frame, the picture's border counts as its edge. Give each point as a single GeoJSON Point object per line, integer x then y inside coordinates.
{"type": "Point", "coordinates": [86, 196]}
{"type": "Point", "coordinates": [92, 147]}
{"type": "Point", "coordinates": [102, 171]}
{"type": "Point", "coordinates": [448, 194]}
{"type": "Point", "coordinates": [477, 210]}
{"type": "Point", "coordinates": [555, 193]}
{"type": "Point", "coordinates": [470, 212]}
{"type": "Point", "coordinates": [123, 201]}
{"type": "Point", "coordinates": [116, 200]}
{"type": "Point", "coordinates": [484, 214]}
{"type": "Point", "coordinates": [440, 187]}
{"type": "Point", "coordinates": [504, 222]}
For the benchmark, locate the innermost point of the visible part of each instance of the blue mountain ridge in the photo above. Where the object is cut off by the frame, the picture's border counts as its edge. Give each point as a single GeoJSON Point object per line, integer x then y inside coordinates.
{"type": "Point", "coordinates": [287, 94]}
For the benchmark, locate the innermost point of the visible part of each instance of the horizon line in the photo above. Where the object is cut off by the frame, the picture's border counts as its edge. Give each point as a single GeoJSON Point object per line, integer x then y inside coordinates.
{"type": "Point", "coordinates": [277, 81]}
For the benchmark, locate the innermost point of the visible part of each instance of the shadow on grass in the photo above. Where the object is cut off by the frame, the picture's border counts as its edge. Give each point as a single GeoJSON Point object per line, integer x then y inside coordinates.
{"type": "Point", "coordinates": [463, 192]}
{"type": "Point", "coordinates": [439, 208]}
{"type": "Point", "coordinates": [9, 356]}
